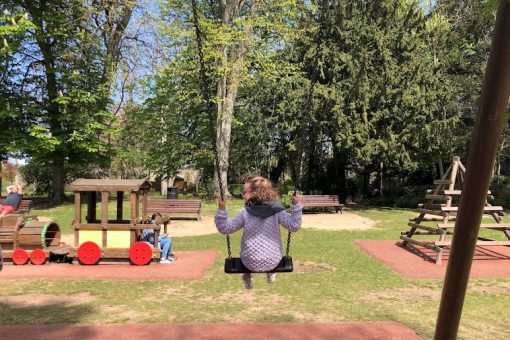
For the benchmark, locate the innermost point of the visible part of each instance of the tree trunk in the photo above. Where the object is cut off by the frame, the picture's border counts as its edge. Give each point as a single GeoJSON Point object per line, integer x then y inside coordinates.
{"type": "Point", "coordinates": [340, 161]}
{"type": "Point", "coordinates": [441, 169]}
{"type": "Point", "coordinates": [58, 182]}
{"type": "Point", "coordinates": [313, 169]}
{"type": "Point", "coordinates": [54, 114]}
{"type": "Point", "coordinates": [381, 168]}
{"type": "Point", "coordinates": [366, 184]}
{"type": "Point", "coordinates": [276, 172]}
{"type": "Point", "coordinates": [117, 20]}
{"type": "Point", "coordinates": [223, 133]}
{"type": "Point", "coordinates": [227, 88]}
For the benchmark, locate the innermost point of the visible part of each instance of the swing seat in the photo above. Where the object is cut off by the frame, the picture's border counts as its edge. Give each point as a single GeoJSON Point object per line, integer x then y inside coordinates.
{"type": "Point", "coordinates": [234, 265]}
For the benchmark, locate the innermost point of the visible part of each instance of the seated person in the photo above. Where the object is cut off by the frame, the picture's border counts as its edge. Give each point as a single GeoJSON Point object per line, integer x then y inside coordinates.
{"type": "Point", "coordinates": [12, 201]}
{"type": "Point", "coordinates": [165, 242]}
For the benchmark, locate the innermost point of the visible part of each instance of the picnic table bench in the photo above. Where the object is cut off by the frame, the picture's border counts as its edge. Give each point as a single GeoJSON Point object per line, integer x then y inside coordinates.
{"type": "Point", "coordinates": [174, 206]}
{"type": "Point", "coordinates": [321, 201]}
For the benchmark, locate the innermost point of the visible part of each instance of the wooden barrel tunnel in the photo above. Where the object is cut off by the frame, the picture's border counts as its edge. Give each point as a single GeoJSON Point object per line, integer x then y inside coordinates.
{"type": "Point", "coordinates": [36, 234]}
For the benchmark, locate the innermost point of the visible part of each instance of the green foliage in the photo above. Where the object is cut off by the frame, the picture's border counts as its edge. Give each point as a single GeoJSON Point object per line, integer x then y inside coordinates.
{"type": "Point", "coordinates": [58, 82]}
{"type": "Point", "coordinates": [500, 189]}
{"type": "Point", "coordinates": [37, 174]}
{"type": "Point", "coordinates": [324, 93]}
{"type": "Point", "coordinates": [462, 54]}
{"type": "Point", "coordinates": [378, 93]}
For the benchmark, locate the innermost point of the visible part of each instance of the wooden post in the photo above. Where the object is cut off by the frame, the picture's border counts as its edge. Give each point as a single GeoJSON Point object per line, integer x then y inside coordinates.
{"type": "Point", "coordinates": [133, 215]}
{"type": "Point", "coordinates": [77, 218]}
{"type": "Point", "coordinates": [77, 207]}
{"type": "Point", "coordinates": [482, 153]}
{"type": "Point", "coordinates": [145, 201]}
{"type": "Point", "coordinates": [104, 217]}
{"type": "Point", "coordinates": [137, 208]}
{"type": "Point", "coordinates": [120, 198]}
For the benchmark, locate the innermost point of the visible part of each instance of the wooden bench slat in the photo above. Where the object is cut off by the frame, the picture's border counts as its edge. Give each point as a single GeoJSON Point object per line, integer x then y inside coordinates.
{"type": "Point", "coordinates": [321, 201]}
{"type": "Point", "coordinates": [169, 206]}
{"type": "Point", "coordinates": [24, 206]}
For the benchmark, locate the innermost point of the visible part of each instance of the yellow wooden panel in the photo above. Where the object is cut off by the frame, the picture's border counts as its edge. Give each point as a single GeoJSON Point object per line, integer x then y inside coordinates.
{"type": "Point", "coordinates": [118, 238]}
{"type": "Point", "coordinates": [95, 236]}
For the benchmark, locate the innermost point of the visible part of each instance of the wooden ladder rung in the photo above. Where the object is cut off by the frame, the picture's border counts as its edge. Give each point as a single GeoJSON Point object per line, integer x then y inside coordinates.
{"type": "Point", "coordinates": [486, 208]}
{"type": "Point", "coordinates": [437, 197]}
{"type": "Point", "coordinates": [443, 181]}
{"type": "Point", "coordinates": [485, 226]}
{"type": "Point", "coordinates": [478, 243]}
{"type": "Point", "coordinates": [424, 227]}
{"type": "Point", "coordinates": [433, 212]}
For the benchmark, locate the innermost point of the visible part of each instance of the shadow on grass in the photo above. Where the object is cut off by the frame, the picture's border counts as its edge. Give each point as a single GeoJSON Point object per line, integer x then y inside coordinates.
{"type": "Point", "coordinates": [47, 313]}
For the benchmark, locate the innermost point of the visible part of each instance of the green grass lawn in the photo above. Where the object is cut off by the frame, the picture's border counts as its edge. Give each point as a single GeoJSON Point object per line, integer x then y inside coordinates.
{"type": "Point", "coordinates": [334, 282]}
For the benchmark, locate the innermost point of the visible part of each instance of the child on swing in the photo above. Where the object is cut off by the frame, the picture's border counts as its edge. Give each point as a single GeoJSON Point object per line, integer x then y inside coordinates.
{"type": "Point", "coordinates": [261, 248]}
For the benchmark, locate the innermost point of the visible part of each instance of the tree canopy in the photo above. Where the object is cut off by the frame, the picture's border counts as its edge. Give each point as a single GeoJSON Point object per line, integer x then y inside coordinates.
{"type": "Point", "coordinates": [331, 96]}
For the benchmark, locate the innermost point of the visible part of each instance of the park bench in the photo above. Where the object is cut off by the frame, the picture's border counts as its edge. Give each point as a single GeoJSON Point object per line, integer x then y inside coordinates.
{"type": "Point", "coordinates": [321, 201]}
{"type": "Point", "coordinates": [174, 206]}
{"type": "Point", "coordinates": [24, 206]}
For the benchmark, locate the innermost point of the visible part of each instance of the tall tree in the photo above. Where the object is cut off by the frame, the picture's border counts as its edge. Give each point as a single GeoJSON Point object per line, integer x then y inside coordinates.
{"type": "Point", "coordinates": [463, 57]}
{"type": "Point", "coordinates": [235, 34]}
{"type": "Point", "coordinates": [376, 91]}
{"type": "Point", "coordinates": [67, 76]}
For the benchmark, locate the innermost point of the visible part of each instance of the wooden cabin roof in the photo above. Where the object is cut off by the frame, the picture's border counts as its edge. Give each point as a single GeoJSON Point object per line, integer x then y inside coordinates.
{"type": "Point", "coordinates": [83, 184]}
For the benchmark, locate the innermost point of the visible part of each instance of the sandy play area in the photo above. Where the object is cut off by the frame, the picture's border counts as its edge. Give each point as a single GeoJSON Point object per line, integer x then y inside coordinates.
{"type": "Point", "coordinates": [331, 221]}
{"type": "Point", "coordinates": [327, 221]}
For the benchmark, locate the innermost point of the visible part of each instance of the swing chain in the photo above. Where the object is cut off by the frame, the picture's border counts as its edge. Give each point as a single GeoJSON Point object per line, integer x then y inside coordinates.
{"type": "Point", "coordinates": [228, 247]}
{"type": "Point", "coordinates": [209, 105]}
{"type": "Point", "coordinates": [288, 244]}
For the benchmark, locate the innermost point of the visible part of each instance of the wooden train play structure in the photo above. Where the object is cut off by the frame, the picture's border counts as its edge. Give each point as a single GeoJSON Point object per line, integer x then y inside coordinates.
{"type": "Point", "coordinates": [100, 235]}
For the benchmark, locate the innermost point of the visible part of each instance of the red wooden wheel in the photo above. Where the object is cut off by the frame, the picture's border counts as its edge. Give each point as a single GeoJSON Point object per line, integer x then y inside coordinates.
{"type": "Point", "coordinates": [140, 253]}
{"type": "Point", "coordinates": [20, 257]}
{"type": "Point", "coordinates": [38, 256]}
{"type": "Point", "coordinates": [89, 253]}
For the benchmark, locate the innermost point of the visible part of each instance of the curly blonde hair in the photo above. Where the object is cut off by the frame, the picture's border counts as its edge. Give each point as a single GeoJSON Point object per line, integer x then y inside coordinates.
{"type": "Point", "coordinates": [262, 189]}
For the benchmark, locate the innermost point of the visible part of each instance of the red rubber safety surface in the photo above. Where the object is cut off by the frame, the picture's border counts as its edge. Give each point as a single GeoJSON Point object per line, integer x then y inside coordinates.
{"type": "Point", "coordinates": [140, 253]}
{"type": "Point", "coordinates": [377, 330]}
{"type": "Point", "coordinates": [416, 262]}
{"type": "Point", "coordinates": [89, 253]}
{"type": "Point", "coordinates": [20, 257]}
{"type": "Point", "coordinates": [190, 265]}
{"type": "Point", "coordinates": [38, 256]}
